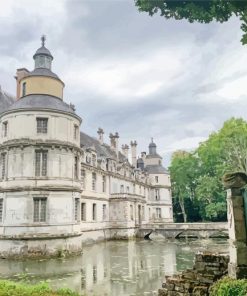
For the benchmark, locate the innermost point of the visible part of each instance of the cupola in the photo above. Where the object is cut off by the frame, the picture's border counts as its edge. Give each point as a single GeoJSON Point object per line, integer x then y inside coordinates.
{"type": "Point", "coordinates": [42, 56]}
{"type": "Point", "coordinates": [40, 81]}
{"type": "Point", "coordinates": [152, 147]}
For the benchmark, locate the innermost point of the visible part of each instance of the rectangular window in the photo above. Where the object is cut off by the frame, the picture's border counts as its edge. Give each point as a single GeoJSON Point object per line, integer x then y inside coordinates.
{"type": "Point", "coordinates": [156, 179]}
{"type": "Point", "coordinates": [103, 184]}
{"type": "Point", "coordinates": [77, 210]}
{"type": "Point", "coordinates": [104, 212]}
{"type": "Point", "coordinates": [76, 132]}
{"type": "Point", "coordinates": [158, 213]}
{"type": "Point", "coordinates": [41, 163]}
{"type": "Point", "coordinates": [143, 213]}
{"type": "Point", "coordinates": [5, 128]}
{"type": "Point", "coordinates": [83, 178]}
{"type": "Point", "coordinates": [39, 209]}
{"type": "Point", "coordinates": [134, 189]}
{"type": "Point", "coordinates": [94, 181]}
{"type": "Point", "coordinates": [93, 159]}
{"type": "Point", "coordinates": [121, 189]}
{"type": "Point", "coordinates": [131, 213]}
{"type": "Point", "coordinates": [157, 194]}
{"type": "Point", "coordinates": [3, 165]}
{"type": "Point", "coordinates": [1, 209]}
{"type": "Point", "coordinates": [76, 167]}
{"type": "Point", "coordinates": [127, 189]}
{"type": "Point", "coordinates": [94, 212]}
{"type": "Point", "coordinates": [24, 84]}
{"type": "Point", "coordinates": [83, 211]}
{"type": "Point", "coordinates": [42, 125]}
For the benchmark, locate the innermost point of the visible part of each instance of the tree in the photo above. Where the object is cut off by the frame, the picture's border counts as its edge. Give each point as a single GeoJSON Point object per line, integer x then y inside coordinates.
{"type": "Point", "coordinates": [197, 176]}
{"type": "Point", "coordinates": [183, 171]}
{"type": "Point", "coordinates": [198, 11]}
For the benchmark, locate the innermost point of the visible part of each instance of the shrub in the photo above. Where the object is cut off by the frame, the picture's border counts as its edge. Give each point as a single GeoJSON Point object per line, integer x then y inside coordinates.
{"type": "Point", "coordinates": [229, 287]}
{"type": "Point", "coordinates": [9, 288]}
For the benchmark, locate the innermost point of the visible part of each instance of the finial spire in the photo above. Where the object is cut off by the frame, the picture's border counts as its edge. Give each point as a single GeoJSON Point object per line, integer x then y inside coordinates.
{"type": "Point", "coordinates": [152, 140]}
{"type": "Point", "coordinates": [43, 38]}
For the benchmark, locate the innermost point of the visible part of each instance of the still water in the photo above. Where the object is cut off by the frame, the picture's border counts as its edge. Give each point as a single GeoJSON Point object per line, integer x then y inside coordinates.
{"type": "Point", "coordinates": [116, 268]}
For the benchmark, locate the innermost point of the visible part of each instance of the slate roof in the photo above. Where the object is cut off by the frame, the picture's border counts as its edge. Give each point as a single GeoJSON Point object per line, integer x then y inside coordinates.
{"type": "Point", "coordinates": [42, 72]}
{"type": "Point", "coordinates": [5, 100]}
{"type": "Point", "coordinates": [41, 102]}
{"type": "Point", "coordinates": [156, 169]}
{"type": "Point", "coordinates": [101, 150]}
{"type": "Point", "coordinates": [43, 51]}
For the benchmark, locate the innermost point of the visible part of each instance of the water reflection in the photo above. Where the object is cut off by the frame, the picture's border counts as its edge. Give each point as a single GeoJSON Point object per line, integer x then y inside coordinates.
{"type": "Point", "coordinates": [114, 268]}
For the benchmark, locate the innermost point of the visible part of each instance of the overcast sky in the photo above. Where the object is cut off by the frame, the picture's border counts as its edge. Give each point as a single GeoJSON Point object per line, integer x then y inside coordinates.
{"type": "Point", "coordinates": [128, 72]}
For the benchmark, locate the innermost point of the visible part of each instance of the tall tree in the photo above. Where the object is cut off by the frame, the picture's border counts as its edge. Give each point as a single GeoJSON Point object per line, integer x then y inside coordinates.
{"type": "Point", "coordinates": [183, 171]}
{"type": "Point", "coordinates": [198, 10]}
{"type": "Point", "coordinates": [196, 177]}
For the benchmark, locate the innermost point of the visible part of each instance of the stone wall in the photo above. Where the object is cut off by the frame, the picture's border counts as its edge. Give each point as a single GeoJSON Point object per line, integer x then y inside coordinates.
{"type": "Point", "coordinates": [207, 269]}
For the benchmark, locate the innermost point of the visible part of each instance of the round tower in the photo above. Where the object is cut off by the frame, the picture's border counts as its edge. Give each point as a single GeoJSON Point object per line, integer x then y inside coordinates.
{"type": "Point", "coordinates": [39, 163]}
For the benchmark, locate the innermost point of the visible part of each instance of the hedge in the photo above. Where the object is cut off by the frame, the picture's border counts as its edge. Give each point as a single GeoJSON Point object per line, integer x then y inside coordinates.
{"type": "Point", "coordinates": [229, 287]}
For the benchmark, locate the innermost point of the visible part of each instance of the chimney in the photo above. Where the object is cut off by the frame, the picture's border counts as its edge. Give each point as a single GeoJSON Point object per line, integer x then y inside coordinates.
{"type": "Point", "coordinates": [114, 142]}
{"type": "Point", "coordinates": [133, 145]}
{"type": "Point", "coordinates": [20, 73]}
{"type": "Point", "coordinates": [125, 150]}
{"type": "Point", "coordinates": [101, 135]}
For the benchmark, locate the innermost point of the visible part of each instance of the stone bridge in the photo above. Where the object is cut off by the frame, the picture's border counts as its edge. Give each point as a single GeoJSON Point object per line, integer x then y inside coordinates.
{"type": "Point", "coordinates": [178, 230]}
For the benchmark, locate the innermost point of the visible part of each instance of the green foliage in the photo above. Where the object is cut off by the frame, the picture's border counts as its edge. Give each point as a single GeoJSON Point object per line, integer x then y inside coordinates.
{"type": "Point", "coordinates": [8, 288]}
{"type": "Point", "coordinates": [229, 287]}
{"type": "Point", "coordinates": [197, 176]}
{"type": "Point", "coordinates": [198, 11]}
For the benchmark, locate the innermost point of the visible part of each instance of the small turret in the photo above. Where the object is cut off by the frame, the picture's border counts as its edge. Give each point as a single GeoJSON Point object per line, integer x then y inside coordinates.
{"type": "Point", "coordinates": [42, 57]}
{"type": "Point", "coordinates": [152, 147]}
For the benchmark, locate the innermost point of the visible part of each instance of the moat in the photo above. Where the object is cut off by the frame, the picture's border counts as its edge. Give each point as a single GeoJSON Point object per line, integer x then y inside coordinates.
{"type": "Point", "coordinates": [120, 268]}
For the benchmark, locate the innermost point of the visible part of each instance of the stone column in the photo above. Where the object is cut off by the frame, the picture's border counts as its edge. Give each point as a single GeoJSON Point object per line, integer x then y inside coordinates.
{"type": "Point", "coordinates": [237, 267]}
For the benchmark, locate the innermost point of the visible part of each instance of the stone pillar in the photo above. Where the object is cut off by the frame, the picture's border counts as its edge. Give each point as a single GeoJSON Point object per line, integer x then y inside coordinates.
{"type": "Point", "coordinates": [237, 267]}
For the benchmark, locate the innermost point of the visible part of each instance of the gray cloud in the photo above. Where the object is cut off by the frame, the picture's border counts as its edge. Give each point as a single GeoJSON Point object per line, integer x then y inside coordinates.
{"type": "Point", "coordinates": [126, 71]}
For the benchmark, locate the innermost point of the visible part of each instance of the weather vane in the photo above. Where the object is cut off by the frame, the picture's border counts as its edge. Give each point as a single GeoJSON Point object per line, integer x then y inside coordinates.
{"type": "Point", "coordinates": [43, 38]}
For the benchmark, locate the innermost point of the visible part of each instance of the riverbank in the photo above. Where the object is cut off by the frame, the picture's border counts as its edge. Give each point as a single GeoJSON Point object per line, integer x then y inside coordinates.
{"type": "Point", "coordinates": [21, 289]}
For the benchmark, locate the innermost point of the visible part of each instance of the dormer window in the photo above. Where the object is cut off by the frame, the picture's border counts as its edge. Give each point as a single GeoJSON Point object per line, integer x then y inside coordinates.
{"type": "Point", "coordinates": [24, 85]}
{"type": "Point", "coordinates": [42, 125]}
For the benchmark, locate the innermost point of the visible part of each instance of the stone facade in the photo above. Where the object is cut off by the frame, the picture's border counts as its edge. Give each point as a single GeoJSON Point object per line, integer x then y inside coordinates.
{"type": "Point", "coordinates": [59, 187]}
{"type": "Point", "coordinates": [208, 268]}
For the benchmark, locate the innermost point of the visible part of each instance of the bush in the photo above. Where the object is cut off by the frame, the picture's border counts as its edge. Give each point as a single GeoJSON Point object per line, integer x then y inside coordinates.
{"type": "Point", "coordinates": [8, 288]}
{"type": "Point", "coordinates": [229, 287]}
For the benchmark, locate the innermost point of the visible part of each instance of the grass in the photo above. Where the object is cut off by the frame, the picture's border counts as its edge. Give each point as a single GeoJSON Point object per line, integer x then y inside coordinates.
{"type": "Point", "coordinates": [9, 288]}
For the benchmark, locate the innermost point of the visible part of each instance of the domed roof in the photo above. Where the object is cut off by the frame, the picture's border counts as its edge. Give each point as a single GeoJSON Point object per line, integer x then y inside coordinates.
{"type": "Point", "coordinates": [39, 102]}
{"type": "Point", "coordinates": [152, 144]}
{"type": "Point", "coordinates": [43, 51]}
{"type": "Point", "coordinates": [43, 72]}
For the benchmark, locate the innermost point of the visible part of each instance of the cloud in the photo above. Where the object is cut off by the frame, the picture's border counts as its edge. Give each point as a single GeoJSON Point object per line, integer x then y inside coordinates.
{"type": "Point", "coordinates": [126, 71]}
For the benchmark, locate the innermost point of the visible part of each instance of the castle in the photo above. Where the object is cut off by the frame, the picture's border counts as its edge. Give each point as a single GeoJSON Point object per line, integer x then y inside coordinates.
{"type": "Point", "coordinates": [61, 188]}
